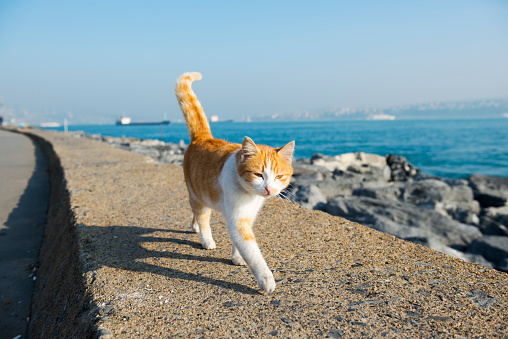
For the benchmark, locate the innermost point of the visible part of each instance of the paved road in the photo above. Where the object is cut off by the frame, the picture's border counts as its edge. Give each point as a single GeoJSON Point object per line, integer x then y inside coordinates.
{"type": "Point", "coordinates": [24, 192]}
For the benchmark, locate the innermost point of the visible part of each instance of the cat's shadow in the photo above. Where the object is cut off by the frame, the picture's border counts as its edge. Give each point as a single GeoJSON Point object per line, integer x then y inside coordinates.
{"type": "Point", "coordinates": [125, 251]}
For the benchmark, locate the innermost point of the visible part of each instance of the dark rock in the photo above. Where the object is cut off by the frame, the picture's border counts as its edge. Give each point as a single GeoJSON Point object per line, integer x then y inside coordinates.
{"type": "Point", "coordinates": [403, 220]}
{"type": "Point", "coordinates": [345, 182]}
{"type": "Point", "coordinates": [475, 258]}
{"type": "Point", "coordinates": [494, 221]}
{"type": "Point", "coordinates": [436, 243]}
{"type": "Point", "coordinates": [305, 171]}
{"type": "Point", "coordinates": [464, 213]}
{"type": "Point", "coordinates": [460, 191]}
{"type": "Point", "coordinates": [503, 265]}
{"type": "Point", "coordinates": [383, 174]}
{"type": "Point", "coordinates": [401, 169]}
{"type": "Point", "coordinates": [489, 191]}
{"type": "Point", "coordinates": [490, 226]}
{"type": "Point", "coordinates": [341, 175]}
{"type": "Point", "coordinates": [391, 193]}
{"type": "Point", "coordinates": [455, 201]}
{"type": "Point", "coordinates": [427, 193]}
{"type": "Point", "coordinates": [431, 191]}
{"type": "Point", "coordinates": [491, 247]}
{"type": "Point", "coordinates": [319, 156]}
{"type": "Point", "coordinates": [346, 187]}
{"type": "Point", "coordinates": [317, 176]}
{"type": "Point", "coordinates": [146, 151]}
{"type": "Point", "coordinates": [341, 183]}
{"type": "Point", "coordinates": [310, 197]}
{"type": "Point", "coordinates": [161, 152]}
{"type": "Point", "coordinates": [301, 161]}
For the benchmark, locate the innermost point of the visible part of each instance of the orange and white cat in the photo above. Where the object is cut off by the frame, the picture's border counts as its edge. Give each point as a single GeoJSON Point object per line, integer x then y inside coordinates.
{"type": "Point", "coordinates": [231, 178]}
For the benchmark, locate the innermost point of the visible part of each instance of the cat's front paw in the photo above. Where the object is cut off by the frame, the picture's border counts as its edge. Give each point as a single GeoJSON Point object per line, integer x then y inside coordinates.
{"type": "Point", "coordinates": [267, 282]}
{"type": "Point", "coordinates": [209, 245]}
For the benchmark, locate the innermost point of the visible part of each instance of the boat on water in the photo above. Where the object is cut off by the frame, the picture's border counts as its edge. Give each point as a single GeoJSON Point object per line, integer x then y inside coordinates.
{"type": "Point", "coordinates": [382, 116]}
{"type": "Point", "coordinates": [49, 124]}
{"type": "Point", "coordinates": [215, 118]}
{"type": "Point", "coordinates": [221, 121]}
{"type": "Point", "coordinates": [127, 121]}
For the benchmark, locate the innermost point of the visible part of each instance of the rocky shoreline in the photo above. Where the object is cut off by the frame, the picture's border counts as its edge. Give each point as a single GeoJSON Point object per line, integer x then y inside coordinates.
{"type": "Point", "coordinates": [467, 219]}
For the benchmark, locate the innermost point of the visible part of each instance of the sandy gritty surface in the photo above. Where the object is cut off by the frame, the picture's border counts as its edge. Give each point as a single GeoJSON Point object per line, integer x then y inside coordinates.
{"type": "Point", "coordinates": [148, 277]}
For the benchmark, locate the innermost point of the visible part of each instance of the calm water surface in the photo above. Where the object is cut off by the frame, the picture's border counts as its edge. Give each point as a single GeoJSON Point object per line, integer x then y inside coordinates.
{"type": "Point", "coordinates": [449, 148]}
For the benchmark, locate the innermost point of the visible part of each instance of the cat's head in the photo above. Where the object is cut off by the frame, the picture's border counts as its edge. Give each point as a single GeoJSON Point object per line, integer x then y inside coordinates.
{"type": "Point", "coordinates": [265, 170]}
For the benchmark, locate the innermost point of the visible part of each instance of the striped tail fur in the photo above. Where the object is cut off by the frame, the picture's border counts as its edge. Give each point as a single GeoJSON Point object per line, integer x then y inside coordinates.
{"type": "Point", "coordinates": [195, 118]}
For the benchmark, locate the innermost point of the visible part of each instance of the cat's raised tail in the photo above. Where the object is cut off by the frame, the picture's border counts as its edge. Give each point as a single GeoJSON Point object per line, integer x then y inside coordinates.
{"type": "Point", "coordinates": [195, 118]}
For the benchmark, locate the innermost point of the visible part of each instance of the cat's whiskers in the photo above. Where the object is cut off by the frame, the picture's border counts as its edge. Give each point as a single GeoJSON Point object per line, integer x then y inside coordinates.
{"type": "Point", "coordinates": [287, 193]}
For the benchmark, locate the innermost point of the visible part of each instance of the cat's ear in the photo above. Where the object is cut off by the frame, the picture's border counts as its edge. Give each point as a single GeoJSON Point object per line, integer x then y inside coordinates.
{"type": "Point", "coordinates": [249, 149]}
{"type": "Point", "coordinates": [286, 152]}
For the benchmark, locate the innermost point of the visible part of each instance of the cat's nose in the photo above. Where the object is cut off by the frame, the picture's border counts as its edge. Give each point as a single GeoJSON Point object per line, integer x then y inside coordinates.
{"type": "Point", "coordinates": [268, 190]}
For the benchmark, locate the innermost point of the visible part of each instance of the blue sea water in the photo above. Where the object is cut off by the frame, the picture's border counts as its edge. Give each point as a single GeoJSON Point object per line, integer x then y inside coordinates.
{"type": "Point", "coordinates": [447, 148]}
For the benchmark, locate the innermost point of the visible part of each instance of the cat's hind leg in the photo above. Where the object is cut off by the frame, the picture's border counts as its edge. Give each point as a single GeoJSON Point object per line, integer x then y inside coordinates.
{"type": "Point", "coordinates": [201, 223]}
{"type": "Point", "coordinates": [202, 217]}
{"type": "Point", "coordinates": [195, 225]}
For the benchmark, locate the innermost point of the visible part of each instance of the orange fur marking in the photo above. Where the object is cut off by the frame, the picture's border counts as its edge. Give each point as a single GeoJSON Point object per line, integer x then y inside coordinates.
{"type": "Point", "coordinates": [202, 164]}
{"type": "Point", "coordinates": [203, 219]}
{"type": "Point", "coordinates": [192, 110]}
{"type": "Point", "coordinates": [260, 161]}
{"type": "Point", "coordinates": [245, 229]}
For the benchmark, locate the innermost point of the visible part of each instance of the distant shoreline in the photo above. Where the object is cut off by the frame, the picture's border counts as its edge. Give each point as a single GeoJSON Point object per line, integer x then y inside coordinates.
{"type": "Point", "coordinates": [176, 122]}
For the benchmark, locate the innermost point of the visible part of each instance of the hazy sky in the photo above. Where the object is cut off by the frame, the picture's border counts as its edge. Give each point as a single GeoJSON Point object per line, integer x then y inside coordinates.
{"type": "Point", "coordinates": [95, 60]}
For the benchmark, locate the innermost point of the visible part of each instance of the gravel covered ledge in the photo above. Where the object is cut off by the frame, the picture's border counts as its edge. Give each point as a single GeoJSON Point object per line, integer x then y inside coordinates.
{"type": "Point", "coordinates": [119, 260]}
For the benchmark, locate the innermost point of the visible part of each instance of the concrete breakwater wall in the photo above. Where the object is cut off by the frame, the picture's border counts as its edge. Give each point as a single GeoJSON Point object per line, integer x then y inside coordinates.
{"type": "Point", "coordinates": [61, 302]}
{"type": "Point", "coordinates": [467, 219]}
{"type": "Point", "coordinates": [119, 260]}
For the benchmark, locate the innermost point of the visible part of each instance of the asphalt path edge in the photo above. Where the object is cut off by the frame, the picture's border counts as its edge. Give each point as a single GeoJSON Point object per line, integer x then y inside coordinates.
{"type": "Point", "coordinates": [61, 306]}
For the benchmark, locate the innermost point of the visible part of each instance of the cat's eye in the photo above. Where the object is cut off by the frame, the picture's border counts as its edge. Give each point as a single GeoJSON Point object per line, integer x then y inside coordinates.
{"type": "Point", "coordinates": [259, 175]}
{"type": "Point", "coordinates": [278, 177]}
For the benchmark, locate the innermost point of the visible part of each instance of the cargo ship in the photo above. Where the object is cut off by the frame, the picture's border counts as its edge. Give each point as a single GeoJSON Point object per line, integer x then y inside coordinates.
{"type": "Point", "coordinates": [126, 121]}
